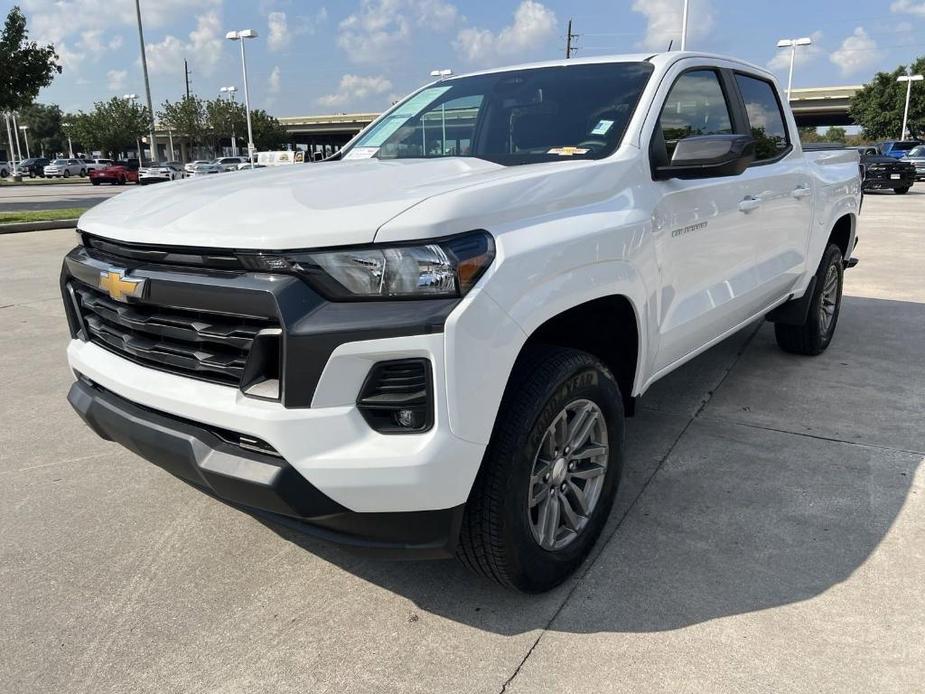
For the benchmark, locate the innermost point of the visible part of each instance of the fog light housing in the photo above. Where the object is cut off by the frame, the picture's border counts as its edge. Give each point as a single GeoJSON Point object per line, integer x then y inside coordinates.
{"type": "Point", "coordinates": [397, 397]}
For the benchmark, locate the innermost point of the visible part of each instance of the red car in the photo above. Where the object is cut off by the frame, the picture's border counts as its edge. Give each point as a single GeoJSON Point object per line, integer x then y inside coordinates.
{"type": "Point", "coordinates": [119, 172]}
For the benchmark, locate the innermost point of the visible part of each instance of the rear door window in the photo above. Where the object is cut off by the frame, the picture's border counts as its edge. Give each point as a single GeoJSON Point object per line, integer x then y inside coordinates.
{"type": "Point", "coordinates": [765, 117]}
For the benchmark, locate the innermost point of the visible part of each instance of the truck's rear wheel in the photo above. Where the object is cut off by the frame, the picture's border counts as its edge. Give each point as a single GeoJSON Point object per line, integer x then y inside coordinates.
{"type": "Point", "coordinates": [550, 473]}
{"type": "Point", "coordinates": [815, 334]}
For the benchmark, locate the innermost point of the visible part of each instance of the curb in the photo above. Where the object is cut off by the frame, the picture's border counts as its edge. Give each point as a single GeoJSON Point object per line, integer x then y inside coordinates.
{"type": "Point", "coordinates": [18, 227]}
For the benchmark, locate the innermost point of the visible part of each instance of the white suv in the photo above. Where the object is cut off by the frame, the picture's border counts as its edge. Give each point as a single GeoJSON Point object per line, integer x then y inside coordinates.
{"type": "Point", "coordinates": [229, 163]}
{"type": "Point", "coordinates": [65, 168]}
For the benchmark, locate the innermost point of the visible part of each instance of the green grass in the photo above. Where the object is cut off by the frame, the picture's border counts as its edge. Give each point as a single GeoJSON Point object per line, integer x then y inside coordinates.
{"type": "Point", "coordinates": [41, 215]}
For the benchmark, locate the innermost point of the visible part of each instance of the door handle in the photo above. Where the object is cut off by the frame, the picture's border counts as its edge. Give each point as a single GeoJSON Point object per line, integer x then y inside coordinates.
{"type": "Point", "coordinates": [749, 203]}
{"type": "Point", "coordinates": [801, 192]}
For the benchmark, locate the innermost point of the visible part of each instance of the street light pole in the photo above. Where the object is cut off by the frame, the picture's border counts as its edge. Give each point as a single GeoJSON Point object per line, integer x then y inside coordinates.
{"type": "Point", "coordinates": [908, 79]}
{"type": "Point", "coordinates": [234, 138]}
{"type": "Point", "coordinates": [70, 147]}
{"type": "Point", "coordinates": [443, 74]}
{"type": "Point", "coordinates": [9, 138]}
{"type": "Point", "coordinates": [241, 36]}
{"type": "Point", "coordinates": [792, 45]}
{"type": "Point", "coordinates": [25, 134]}
{"type": "Point", "coordinates": [16, 135]}
{"type": "Point", "coordinates": [684, 16]}
{"type": "Point", "coordinates": [144, 67]}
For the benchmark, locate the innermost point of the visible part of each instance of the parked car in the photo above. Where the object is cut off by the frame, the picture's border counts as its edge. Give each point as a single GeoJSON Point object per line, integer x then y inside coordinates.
{"type": "Point", "coordinates": [229, 163]}
{"type": "Point", "coordinates": [193, 164]}
{"type": "Point", "coordinates": [883, 172]}
{"type": "Point", "coordinates": [897, 148]}
{"type": "Point", "coordinates": [157, 173]}
{"type": "Point", "coordinates": [247, 165]}
{"type": "Point", "coordinates": [118, 173]}
{"type": "Point", "coordinates": [428, 352]}
{"type": "Point", "coordinates": [206, 169]}
{"type": "Point", "coordinates": [32, 167]}
{"type": "Point", "coordinates": [5, 169]}
{"type": "Point", "coordinates": [94, 164]}
{"type": "Point", "coordinates": [65, 168]}
{"type": "Point", "coordinates": [916, 157]}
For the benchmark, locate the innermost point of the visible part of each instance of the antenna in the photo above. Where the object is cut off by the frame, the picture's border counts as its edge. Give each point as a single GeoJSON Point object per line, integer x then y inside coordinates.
{"type": "Point", "coordinates": [670, 44]}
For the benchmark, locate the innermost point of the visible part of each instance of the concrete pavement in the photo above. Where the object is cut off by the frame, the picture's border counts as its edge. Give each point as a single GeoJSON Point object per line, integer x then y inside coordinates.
{"type": "Point", "coordinates": [57, 196]}
{"type": "Point", "coordinates": [769, 535]}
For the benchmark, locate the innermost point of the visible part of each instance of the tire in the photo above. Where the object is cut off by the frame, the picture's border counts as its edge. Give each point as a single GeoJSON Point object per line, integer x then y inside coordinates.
{"type": "Point", "coordinates": [83, 172]}
{"type": "Point", "coordinates": [4, 173]}
{"type": "Point", "coordinates": [67, 173]}
{"type": "Point", "coordinates": [498, 538]}
{"type": "Point", "coordinates": [121, 181]}
{"type": "Point", "coordinates": [902, 191]}
{"type": "Point", "coordinates": [814, 336]}
{"type": "Point", "coordinates": [94, 182]}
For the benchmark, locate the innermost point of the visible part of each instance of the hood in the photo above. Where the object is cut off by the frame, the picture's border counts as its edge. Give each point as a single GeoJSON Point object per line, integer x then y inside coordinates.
{"type": "Point", "coordinates": [299, 206]}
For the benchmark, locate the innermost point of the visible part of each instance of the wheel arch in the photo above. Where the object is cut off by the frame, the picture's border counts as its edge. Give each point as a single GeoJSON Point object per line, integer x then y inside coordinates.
{"type": "Point", "coordinates": [842, 234]}
{"type": "Point", "coordinates": [606, 327]}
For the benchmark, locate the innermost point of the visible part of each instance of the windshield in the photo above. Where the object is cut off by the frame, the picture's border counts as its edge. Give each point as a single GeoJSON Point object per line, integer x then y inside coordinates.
{"type": "Point", "coordinates": [59, 162]}
{"type": "Point", "coordinates": [903, 146]}
{"type": "Point", "coordinates": [917, 152]}
{"type": "Point", "coordinates": [514, 117]}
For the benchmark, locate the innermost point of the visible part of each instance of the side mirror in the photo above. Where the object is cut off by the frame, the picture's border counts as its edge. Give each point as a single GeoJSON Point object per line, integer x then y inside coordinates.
{"type": "Point", "coordinates": [709, 156]}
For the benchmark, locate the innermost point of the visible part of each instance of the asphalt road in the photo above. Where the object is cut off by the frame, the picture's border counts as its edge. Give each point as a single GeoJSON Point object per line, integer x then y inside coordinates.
{"type": "Point", "coordinates": [56, 196]}
{"type": "Point", "coordinates": [769, 535]}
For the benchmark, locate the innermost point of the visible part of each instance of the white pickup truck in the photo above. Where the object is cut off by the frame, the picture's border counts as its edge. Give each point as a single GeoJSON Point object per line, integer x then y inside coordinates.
{"type": "Point", "coordinates": [428, 346]}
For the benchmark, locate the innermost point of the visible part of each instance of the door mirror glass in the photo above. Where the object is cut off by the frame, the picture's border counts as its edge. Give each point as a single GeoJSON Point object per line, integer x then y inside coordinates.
{"type": "Point", "coordinates": [709, 156]}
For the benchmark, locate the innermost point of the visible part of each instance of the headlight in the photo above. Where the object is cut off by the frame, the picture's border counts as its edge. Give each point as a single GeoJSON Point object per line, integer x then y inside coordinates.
{"type": "Point", "coordinates": [431, 269]}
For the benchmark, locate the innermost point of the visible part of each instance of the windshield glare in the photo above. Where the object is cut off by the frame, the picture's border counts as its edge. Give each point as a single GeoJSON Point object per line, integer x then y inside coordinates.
{"type": "Point", "coordinates": [514, 117]}
{"type": "Point", "coordinates": [917, 152]}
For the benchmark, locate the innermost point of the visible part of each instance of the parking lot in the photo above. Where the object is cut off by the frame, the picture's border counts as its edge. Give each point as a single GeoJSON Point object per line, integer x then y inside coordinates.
{"type": "Point", "coordinates": [769, 534]}
{"type": "Point", "coordinates": [57, 196]}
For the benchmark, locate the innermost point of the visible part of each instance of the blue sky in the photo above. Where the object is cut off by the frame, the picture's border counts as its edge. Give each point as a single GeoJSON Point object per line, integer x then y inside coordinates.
{"type": "Point", "coordinates": [357, 55]}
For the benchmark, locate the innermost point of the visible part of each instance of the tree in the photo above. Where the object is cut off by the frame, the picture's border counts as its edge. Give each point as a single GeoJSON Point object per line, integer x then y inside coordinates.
{"type": "Point", "coordinates": [187, 119]}
{"type": "Point", "coordinates": [878, 107]}
{"type": "Point", "coordinates": [835, 134]}
{"type": "Point", "coordinates": [45, 132]}
{"type": "Point", "coordinates": [25, 66]}
{"type": "Point", "coordinates": [224, 117]}
{"type": "Point", "coordinates": [268, 133]}
{"type": "Point", "coordinates": [111, 126]}
{"type": "Point", "coordinates": [809, 134]}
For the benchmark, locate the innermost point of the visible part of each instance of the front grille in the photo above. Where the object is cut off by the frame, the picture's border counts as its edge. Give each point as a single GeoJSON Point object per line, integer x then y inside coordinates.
{"type": "Point", "coordinates": [216, 259]}
{"type": "Point", "coordinates": [208, 346]}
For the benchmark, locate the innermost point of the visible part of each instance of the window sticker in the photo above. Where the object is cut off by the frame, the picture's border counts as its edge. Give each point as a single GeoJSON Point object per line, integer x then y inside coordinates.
{"type": "Point", "coordinates": [567, 151]}
{"type": "Point", "coordinates": [361, 153]}
{"type": "Point", "coordinates": [602, 127]}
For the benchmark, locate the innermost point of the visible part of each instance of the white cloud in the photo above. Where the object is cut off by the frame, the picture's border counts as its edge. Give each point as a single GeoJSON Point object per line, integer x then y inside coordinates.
{"type": "Point", "coordinates": [804, 54]}
{"type": "Point", "coordinates": [55, 20]}
{"type": "Point", "coordinates": [354, 88]}
{"type": "Point", "coordinates": [857, 52]}
{"type": "Point", "coordinates": [664, 22]}
{"type": "Point", "coordinates": [380, 28]}
{"type": "Point", "coordinates": [116, 79]}
{"type": "Point", "coordinates": [278, 36]}
{"type": "Point", "coordinates": [908, 7]}
{"type": "Point", "coordinates": [203, 48]}
{"type": "Point", "coordinates": [534, 24]}
{"type": "Point", "coordinates": [273, 83]}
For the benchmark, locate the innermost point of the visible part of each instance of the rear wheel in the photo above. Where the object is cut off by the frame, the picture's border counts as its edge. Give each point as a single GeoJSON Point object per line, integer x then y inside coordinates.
{"type": "Point", "coordinates": [121, 181]}
{"type": "Point", "coordinates": [815, 334]}
{"type": "Point", "coordinates": [550, 474]}
{"type": "Point", "coordinates": [94, 182]}
{"type": "Point", "coordinates": [83, 172]}
{"type": "Point", "coordinates": [67, 173]}
{"type": "Point", "coordinates": [901, 191]}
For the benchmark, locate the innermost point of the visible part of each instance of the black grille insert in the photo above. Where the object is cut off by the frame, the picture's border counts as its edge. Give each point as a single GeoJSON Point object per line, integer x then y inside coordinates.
{"type": "Point", "coordinates": [207, 346]}
{"type": "Point", "coordinates": [397, 397]}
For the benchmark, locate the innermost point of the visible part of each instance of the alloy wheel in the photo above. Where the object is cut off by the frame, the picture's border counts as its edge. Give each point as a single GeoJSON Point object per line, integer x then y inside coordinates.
{"type": "Point", "coordinates": [567, 475]}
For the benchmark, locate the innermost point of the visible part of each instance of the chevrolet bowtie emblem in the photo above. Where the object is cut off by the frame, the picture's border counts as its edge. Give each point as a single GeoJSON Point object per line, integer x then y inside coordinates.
{"type": "Point", "coordinates": [118, 286]}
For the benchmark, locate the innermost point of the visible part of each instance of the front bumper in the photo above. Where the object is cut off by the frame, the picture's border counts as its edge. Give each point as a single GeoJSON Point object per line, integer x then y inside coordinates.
{"type": "Point", "coordinates": [259, 482]}
{"type": "Point", "coordinates": [875, 180]}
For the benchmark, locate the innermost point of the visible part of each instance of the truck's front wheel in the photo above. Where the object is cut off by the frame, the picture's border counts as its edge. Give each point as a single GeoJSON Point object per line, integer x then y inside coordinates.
{"type": "Point", "coordinates": [550, 473]}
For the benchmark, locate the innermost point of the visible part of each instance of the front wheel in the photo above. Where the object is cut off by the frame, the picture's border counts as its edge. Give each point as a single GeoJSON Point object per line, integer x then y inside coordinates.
{"type": "Point", "coordinates": [815, 334]}
{"type": "Point", "coordinates": [550, 474]}
{"type": "Point", "coordinates": [94, 182]}
{"type": "Point", "coordinates": [67, 173]}
{"type": "Point", "coordinates": [83, 172]}
{"type": "Point", "coordinates": [901, 191]}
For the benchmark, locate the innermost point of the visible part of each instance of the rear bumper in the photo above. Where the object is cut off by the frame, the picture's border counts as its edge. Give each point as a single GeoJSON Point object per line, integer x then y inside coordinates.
{"type": "Point", "coordinates": [263, 484]}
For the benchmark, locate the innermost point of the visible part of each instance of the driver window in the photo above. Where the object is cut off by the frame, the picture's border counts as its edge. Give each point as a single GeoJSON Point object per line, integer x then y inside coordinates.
{"type": "Point", "coordinates": [695, 105]}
